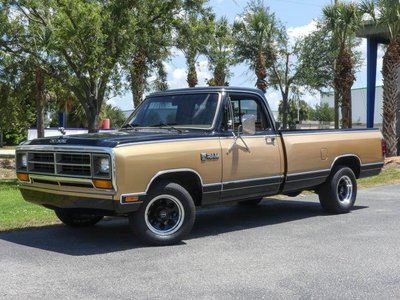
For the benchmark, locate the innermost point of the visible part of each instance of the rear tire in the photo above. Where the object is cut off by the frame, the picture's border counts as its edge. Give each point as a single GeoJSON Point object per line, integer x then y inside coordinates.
{"type": "Point", "coordinates": [166, 216]}
{"type": "Point", "coordinates": [338, 194]}
{"type": "Point", "coordinates": [250, 202]}
{"type": "Point", "coordinates": [74, 219]}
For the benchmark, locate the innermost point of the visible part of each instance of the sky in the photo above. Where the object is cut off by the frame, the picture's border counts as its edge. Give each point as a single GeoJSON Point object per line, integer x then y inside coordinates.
{"type": "Point", "coordinates": [298, 16]}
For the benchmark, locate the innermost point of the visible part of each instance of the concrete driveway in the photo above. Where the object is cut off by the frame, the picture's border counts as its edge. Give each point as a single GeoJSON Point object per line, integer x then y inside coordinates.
{"type": "Point", "coordinates": [278, 250]}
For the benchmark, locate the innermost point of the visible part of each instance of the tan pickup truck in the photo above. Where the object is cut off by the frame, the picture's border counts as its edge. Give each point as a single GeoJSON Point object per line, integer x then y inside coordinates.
{"type": "Point", "coordinates": [181, 149]}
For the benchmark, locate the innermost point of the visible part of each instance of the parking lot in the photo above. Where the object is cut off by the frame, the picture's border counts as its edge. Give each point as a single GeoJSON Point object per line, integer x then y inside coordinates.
{"type": "Point", "coordinates": [280, 249]}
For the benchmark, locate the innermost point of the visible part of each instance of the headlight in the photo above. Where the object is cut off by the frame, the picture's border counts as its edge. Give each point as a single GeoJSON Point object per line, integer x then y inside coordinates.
{"type": "Point", "coordinates": [24, 161]}
{"type": "Point", "coordinates": [104, 165]}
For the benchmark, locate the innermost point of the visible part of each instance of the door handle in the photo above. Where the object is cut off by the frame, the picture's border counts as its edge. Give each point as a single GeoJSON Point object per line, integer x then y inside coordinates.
{"type": "Point", "coordinates": [270, 140]}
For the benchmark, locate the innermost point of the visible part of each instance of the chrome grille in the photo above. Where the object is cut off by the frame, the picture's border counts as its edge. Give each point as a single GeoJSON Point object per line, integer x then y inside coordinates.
{"type": "Point", "coordinates": [68, 158]}
{"type": "Point", "coordinates": [74, 170]}
{"type": "Point", "coordinates": [60, 163]}
{"type": "Point", "coordinates": [36, 167]}
{"type": "Point", "coordinates": [42, 157]}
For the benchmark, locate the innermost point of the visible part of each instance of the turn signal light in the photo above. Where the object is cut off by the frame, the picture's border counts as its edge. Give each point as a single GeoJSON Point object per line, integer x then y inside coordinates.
{"type": "Point", "coordinates": [102, 184]}
{"type": "Point", "coordinates": [23, 176]}
{"type": "Point", "coordinates": [131, 198]}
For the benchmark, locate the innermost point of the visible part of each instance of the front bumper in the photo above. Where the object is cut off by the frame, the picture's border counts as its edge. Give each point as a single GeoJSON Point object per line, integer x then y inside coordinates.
{"type": "Point", "coordinates": [79, 201]}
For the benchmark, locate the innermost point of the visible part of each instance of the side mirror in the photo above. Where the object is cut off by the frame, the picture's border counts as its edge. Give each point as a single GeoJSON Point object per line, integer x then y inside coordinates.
{"type": "Point", "coordinates": [249, 124]}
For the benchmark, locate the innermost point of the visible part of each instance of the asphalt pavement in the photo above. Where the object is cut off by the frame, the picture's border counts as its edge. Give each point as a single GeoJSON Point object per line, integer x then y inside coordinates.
{"type": "Point", "coordinates": [281, 249]}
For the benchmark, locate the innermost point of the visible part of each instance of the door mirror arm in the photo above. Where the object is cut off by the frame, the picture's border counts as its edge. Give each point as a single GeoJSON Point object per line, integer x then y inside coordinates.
{"type": "Point", "coordinates": [236, 137]}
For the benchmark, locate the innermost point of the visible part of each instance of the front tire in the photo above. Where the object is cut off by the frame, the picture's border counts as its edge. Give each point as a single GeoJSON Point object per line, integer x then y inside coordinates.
{"type": "Point", "coordinates": [338, 194]}
{"type": "Point", "coordinates": [166, 216]}
{"type": "Point", "coordinates": [75, 219]}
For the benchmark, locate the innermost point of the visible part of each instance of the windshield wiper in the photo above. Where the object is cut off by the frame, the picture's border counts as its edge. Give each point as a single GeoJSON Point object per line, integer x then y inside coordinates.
{"type": "Point", "coordinates": [169, 125]}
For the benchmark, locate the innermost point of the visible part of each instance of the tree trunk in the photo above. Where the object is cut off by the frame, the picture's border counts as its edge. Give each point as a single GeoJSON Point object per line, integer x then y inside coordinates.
{"type": "Point", "coordinates": [344, 79]}
{"type": "Point", "coordinates": [285, 112]}
{"type": "Point", "coordinates": [192, 73]}
{"type": "Point", "coordinates": [261, 72]}
{"type": "Point", "coordinates": [219, 76]}
{"type": "Point", "coordinates": [40, 102]}
{"type": "Point", "coordinates": [391, 64]}
{"type": "Point", "coordinates": [336, 99]}
{"type": "Point", "coordinates": [138, 78]}
{"type": "Point", "coordinates": [93, 121]}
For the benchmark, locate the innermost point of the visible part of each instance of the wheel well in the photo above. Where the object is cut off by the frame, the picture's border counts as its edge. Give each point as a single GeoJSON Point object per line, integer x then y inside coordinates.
{"type": "Point", "coordinates": [349, 161]}
{"type": "Point", "coordinates": [189, 180]}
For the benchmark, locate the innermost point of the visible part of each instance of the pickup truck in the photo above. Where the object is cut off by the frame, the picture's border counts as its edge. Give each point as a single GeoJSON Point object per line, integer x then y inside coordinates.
{"type": "Point", "coordinates": [181, 149]}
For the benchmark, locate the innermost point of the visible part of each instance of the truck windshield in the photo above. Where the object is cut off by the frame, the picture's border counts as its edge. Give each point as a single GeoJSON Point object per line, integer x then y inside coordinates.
{"type": "Point", "coordinates": [185, 111]}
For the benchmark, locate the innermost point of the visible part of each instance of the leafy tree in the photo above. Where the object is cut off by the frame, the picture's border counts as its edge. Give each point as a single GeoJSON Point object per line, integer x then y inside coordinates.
{"type": "Point", "coordinates": [254, 32]}
{"type": "Point", "coordinates": [343, 20]}
{"type": "Point", "coordinates": [115, 115]}
{"type": "Point", "coordinates": [17, 106]}
{"type": "Point", "coordinates": [11, 59]}
{"type": "Point", "coordinates": [160, 83]}
{"type": "Point", "coordinates": [78, 45]}
{"type": "Point", "coordinates": [150, 38]}
{"type": "Point", "coordinates": [386, 13]}
{"type": "Point", "coordinates": [298, 111]}
{"type": "Point", "coordinates": [317, 60]}
{"type": "Point", "coordinates": [323, 113]}
{"type": "Point", "coordinates": [285, 70]}
{"type": "Point", "coordinates": [219, 52]}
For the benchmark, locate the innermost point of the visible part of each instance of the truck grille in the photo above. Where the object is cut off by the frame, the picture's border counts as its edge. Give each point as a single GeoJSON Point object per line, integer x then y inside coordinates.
{"type": "Point", "coordinates": [59, 163]}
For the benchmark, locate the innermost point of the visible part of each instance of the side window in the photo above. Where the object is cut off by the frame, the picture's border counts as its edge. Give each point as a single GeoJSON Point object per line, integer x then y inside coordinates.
{"type": "Point", "coordinates": [247, 105]}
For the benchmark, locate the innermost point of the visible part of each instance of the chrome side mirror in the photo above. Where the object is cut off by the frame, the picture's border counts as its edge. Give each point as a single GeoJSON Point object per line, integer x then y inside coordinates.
{"type": "Point", "coordinates": [249, 124]}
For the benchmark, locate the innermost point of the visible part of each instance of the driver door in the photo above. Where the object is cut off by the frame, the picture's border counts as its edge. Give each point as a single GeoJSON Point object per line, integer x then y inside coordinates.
{"type": "Point", "coordinates": [252, 163]}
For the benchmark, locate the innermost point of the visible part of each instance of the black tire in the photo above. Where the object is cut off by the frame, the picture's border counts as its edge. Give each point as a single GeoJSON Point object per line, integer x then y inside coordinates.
{"type": "Point", "coordinates": [75, 219]}
{"type": "Point", "coordinates": [250, 202]}
{"type": "Point", "coordinates": [338, 194]}
{"type": "Point", "coordinates": [166, 216]}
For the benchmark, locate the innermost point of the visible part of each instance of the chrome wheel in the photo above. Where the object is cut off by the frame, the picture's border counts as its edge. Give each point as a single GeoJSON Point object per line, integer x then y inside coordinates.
{"type": "Point", "coordinates": [345, 190]}
{"type": "Point", "coordinates": [338, 194]}
{"type": "Point", "coordinates": [164, 215]}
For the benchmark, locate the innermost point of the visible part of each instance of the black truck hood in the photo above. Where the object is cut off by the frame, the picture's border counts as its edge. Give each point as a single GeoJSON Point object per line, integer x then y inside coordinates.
{"type": "Point", "coordinates": [114, 138]}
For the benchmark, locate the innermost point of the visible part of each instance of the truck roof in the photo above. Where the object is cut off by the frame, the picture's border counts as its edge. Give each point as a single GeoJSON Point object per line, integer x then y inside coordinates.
{"type": "Point", "coordinates": [208, 89]}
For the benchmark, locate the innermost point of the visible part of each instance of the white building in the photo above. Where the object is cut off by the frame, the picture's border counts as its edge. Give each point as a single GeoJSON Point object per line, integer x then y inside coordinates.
{"type": "Point", "coordinates": [359, 105]}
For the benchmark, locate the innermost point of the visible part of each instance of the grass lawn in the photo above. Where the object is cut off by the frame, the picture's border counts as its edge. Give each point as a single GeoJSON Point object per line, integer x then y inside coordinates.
{"type": "Point", "coordinates": [387, 176]}
{"type": "Point", "coordinates": [15, 213]}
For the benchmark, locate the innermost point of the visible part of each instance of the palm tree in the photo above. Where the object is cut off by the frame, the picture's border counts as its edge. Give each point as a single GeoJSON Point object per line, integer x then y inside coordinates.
{"type": "Point", "coordinates": [254, 33]}
{"type": "Point", "coordinates": [388, 17]}
{"type": "Point", "coordinates": [194, 30]}
{"type": "Point", "coordinates": [219, 52]}
{"type": "Point", "coordinates": [342, 20]}
{"type": "Point", "coordinates": [149, 43]}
